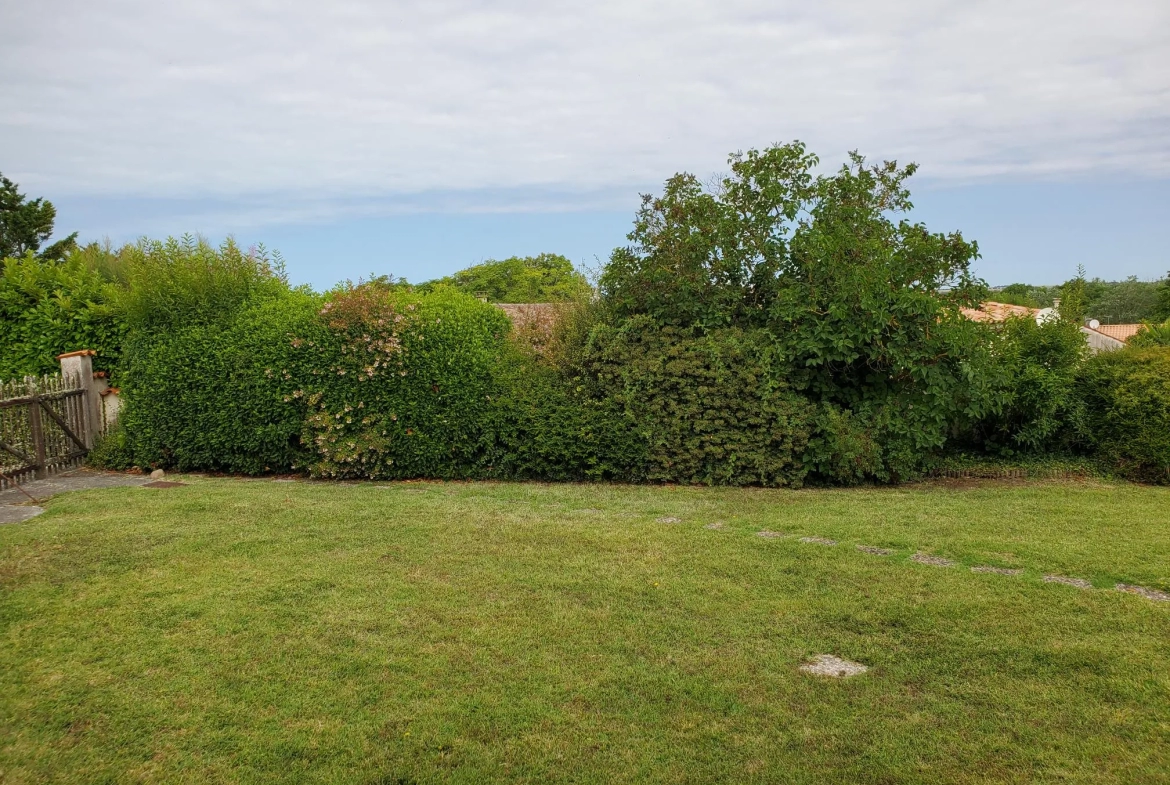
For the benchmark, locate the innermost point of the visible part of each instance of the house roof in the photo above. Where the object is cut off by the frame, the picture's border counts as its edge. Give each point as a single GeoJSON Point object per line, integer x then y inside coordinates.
{"type": "Point", "coordinates": [991, 311]}
{"type": "Point", "coordinates": [1122, 332]}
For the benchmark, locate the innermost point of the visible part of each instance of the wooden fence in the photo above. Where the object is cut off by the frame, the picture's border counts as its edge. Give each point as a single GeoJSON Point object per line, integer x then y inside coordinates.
{"type": "Point", "coordinates": [43, 427]}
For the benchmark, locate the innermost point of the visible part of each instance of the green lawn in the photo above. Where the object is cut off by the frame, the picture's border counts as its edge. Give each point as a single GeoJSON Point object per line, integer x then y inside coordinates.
{"type": "Point", "coordinates": [255, 631]}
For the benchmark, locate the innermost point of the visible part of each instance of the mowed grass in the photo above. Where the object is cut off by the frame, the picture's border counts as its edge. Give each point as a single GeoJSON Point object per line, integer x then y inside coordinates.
{"type": "Point", "coordinates": [259, 631]}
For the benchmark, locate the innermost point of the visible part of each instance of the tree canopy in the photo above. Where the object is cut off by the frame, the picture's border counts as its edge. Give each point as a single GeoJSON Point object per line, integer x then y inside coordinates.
{"type": "Point", "coordinates": [519, 279]}
{"type": "Point", "coordinates": [25, 225]}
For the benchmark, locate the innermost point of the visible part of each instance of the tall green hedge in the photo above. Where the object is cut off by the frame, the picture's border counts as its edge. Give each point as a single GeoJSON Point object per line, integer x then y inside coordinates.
{"type": "Point", "coordinates": [1126, 396]}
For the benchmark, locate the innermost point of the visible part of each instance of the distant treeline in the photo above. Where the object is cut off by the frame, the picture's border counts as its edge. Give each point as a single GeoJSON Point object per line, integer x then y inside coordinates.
{"type": "Point", "coordinates": [1110, 302]}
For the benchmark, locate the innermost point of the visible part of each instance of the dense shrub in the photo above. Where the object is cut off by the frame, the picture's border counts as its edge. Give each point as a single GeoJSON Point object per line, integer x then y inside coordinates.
{"type": "Point", "coordinates": [213, 396]}
{"type": "Point", "coordinates": [1037, 367]}
{"type": "Point", "coordinates": [1127, 411]}
{"type": "Point", "coordinates": [397, 384]}
{"type": "Point", "coordinates": [1152, 335]}
{"type": "Point", "coordinates": [544, 426]}
{"type": "Point", "coordinates": [711, 408]}
{"type": "Point", "coordinates": [863, 311]}
{"type": "Point", "coordinates": [207, 326]}
{"type": "Point", "coordinates": [49, 308]}
{"type": "Point", "coordinates": [546, 278]}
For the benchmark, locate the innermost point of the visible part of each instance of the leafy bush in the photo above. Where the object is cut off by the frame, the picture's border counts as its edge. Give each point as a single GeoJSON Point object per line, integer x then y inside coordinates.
{"type": "Point", "coordinates": [545, 427]}
{"type": "Point", "coordinates": [863, 311]}
{"type": "Point", "coordinates": [48, 308]}
{"type": "Point", "coordinates": [174, 284]}
{"type": "Point", "coordinates": [214, 396]}
{"type": "Point", "coordinates": [397, 384]}
{"type": "Point", "coordinates": [546, 278]}
{"type": "Point", "coordinates": [712, 408]}
{"type": "Point", "coordinates": [1152, 335]}
{"type": "Point", "coordinates": [1040, 408]}
{"type": "Point", "coordinates": [1127, 411]}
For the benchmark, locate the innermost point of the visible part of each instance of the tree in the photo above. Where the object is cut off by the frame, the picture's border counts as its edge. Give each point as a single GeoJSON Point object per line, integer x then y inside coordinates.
{"type": "Point", "coordinates": [1073, 298]}
{"type": "Point", "coordinates": [25, 225]}
{"type": "Point", "coordinates": [1163, 309]}
{"type": "Point", "coordinates": [529, 279]}
{"type": "Point", "coordinates": [863, 309]}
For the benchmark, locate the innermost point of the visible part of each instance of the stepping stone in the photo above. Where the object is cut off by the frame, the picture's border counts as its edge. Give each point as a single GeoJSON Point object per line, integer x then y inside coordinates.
{"type": "Point", "coordinates": [716, 525]}
{"type": "Point", "coordinates": [873, 550]}
{"type": "Point", "coordinates": [1149, 594]}
{"type": "Point", "coordinates": [669, 519]}
{"type": "Point", "coordinates": [17, 513]}
{"type": "Point", "coordinates": [933, 561]}
{"type": "Point", "coordinates": [770, 535]}
{"type": "Point", "coordinates": [1080, 583]}
{"type": "Point", "coordinates": [818, 541]}
{"type": "Point", "coordinates": [996, 570]}
{"type": "Point", "coordinates": [833, 667]}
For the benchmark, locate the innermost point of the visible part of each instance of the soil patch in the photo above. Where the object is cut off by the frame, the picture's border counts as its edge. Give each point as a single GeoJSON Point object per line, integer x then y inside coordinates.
{"type": "Point", "coordinates": [933, 561]}
{"type": "Point", "coordinates": [832, 666]}
{"type": "Point", "coordinates": [1079, 583]}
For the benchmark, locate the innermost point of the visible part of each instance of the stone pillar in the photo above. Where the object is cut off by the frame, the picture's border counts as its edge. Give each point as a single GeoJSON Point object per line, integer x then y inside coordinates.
{"type": "Point", "coordinates": [77, 368]}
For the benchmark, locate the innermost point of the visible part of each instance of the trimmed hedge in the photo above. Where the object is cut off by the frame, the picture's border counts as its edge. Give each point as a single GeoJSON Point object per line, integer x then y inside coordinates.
{"type": "Point", "coordinates": [712, 409]}
{"type": "Point", "coordinates": [1127, 411]}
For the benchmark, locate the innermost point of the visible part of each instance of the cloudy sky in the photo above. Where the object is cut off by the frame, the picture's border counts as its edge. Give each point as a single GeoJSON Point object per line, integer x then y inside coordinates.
{"type": "Point", "coordinates": [416, 138]}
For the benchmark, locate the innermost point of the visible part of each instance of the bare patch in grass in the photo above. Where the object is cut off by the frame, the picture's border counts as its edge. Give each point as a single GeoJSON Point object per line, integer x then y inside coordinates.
{"type": "Point", "coordinates": [1079, 583]}
{"type": "Point", "coordinates": [1141, 591]}
{"type": "Point", "coordinates": [716, 525]}
{"type": "Point", "coordinates": [669, 519]}
{"type": "Point", "coordinates": [818, 540]}
{"type": "Point", "coordinates": [770, 535]}
{"type": "Point", "coordinates": [163, 484]}
{"type": "Point", "coordinates": [996, 570]}
{"type": "Point", "coordinates": [933, 561]}
{"type": "Point", "coordinates": [833, 667]}
{"type": "Point", "coordinates": [873, 550]}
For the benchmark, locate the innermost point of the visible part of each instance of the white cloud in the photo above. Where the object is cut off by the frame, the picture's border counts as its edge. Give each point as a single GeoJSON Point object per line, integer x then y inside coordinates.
{"type": "Point", "coordinates": [292, 104]}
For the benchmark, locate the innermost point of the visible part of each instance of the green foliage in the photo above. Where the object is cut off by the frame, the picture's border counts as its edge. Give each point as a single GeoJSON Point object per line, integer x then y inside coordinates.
{"type": "Point", "coordinates": [397, 384]}
{"type": "Point", "coordinates": [1126, 302]}
{"type": "Point", "coordinates": [214, 396]}
{"type": "Point", "coordinates": [1127, 411]}
{"type": "Point", "coordinates": [26, 225]}
{"type": "Point", "coordinates": [1152, 335]}
{"type": "Point", "coordinates": [864, 312]}
{"type": "Point", "coordinates": [712, 409]}
{"type": "Point", "coordinates": [1074, 301]}
{"type": "Point", "coordinates": [545, 427]}
{"type": "Point", "coordinates": [174, 284]}
{"type": "Point", "coordinates": [49, 308]}
{"type": "Point", "coordinates": [1162, 312]}
{"type": "Point", "coordinates": [531, 279]}
{"type": "Point", "coordinates": [113, 451]}
{"type": "Point", "coordinates": [1038, 366]}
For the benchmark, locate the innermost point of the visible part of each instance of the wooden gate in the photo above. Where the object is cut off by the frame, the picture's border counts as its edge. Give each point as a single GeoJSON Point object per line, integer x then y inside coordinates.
{"type": "Point", "coordinates": [42, 423]}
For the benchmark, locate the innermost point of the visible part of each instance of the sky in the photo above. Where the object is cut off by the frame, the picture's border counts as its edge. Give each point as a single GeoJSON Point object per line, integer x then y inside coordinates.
{"type": "Point", "coordinates": [416, 138]}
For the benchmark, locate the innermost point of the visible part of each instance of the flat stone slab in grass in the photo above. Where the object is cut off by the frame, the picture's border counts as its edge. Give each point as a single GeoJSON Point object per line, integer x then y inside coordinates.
{"type": "Point", "coordinates": [933, 561]}
{"type": "Point", "coordinates": [1141, 591]}
{"type": "Point", "coordinates": [163, 484]}
{"type": "Point", "coordinates": [770, 535]}
{"type": "Point", "coordinates": [818, 540]}
{"type": "Point", "coordinates": [833, 667]}
{"type": "Point", "coordinates": [996, 570]}
{"type": "Point", "coordinates": [1079, 583]}
{"type": "Point", "coordinates": [669, 519]}
{"type": "Point", "coordinates": [76, 480]}
{"type": "Point", "coordinates": [716, 525]}
{"type": "Point", "coordinates": [873, 550]}
{"type": "Point", "coordinates": [16, 514]}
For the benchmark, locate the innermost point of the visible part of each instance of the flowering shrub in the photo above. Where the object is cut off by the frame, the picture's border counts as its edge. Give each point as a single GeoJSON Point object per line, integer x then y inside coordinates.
{"type": "Point", "coordinates": [397, 384]}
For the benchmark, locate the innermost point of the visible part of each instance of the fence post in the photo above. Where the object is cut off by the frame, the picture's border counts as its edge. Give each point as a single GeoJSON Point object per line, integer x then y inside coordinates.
{"type": "Point", "coordinates": [36, 431]}
{"type": "Point", "coordinates": [77, 369]}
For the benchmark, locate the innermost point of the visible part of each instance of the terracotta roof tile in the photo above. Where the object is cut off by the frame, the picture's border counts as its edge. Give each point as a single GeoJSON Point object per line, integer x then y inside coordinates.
{"type": "Point", "coordinates": [1122, 332]}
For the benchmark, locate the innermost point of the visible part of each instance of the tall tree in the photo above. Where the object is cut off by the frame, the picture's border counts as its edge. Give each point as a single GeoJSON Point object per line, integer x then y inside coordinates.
{"type": "Point", "coordinates": [25, 225]}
